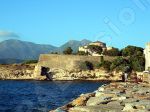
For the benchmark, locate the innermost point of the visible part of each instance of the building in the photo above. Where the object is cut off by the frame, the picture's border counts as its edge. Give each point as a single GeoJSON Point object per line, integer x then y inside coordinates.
{"type": "Point", "coordinates": [109, 48]}
{"type": "Point", "coordinates": [97, 43]}
{"type": "Point", "coordinates": [83, 49]}
{"type": "Point", "coordinates": [147, 56]}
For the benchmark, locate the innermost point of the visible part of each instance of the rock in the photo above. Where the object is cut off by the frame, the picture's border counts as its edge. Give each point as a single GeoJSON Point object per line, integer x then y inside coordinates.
{"type": "Point", "coordinates": [115, 97]}
{"type": "Point", "coordinates": [98, 108]}
{"type": "Point", "coordinates": [119, 98]}
{"type": "Point", "coordinates": [97, 94]}
{"type": "Point", "coordinates": [101, 89]}
{"type": "Point", "coordinates": [114, 103]}
{"type": "Point", "coordinates": [58, 110]}
{"type": "Point", "coordinates": [81, 101]}
{"type": "Point", "coordinates": [98, 100]}
{"type": "Point", "coordinates": [129, 100]}
{"type": "Point", "coordinates": [128, 108]}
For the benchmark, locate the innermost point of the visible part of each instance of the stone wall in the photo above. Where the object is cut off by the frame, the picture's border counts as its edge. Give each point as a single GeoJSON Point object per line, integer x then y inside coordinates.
{"type": "Point", "coordinates": [65, 62]}
{"type": "Point", "coordinates": [147, 56]}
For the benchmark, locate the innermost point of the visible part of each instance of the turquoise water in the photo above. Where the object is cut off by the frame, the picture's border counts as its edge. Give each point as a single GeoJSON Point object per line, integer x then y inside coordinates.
{"type": "Point", "coordinates": [40, 96]}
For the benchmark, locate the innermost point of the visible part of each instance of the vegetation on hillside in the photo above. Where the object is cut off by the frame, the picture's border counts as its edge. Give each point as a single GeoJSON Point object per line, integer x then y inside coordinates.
{"type": "Point", "coordinates": [112, 52]}
{"type": "Point", "coordinates": [96, 49]}
{"type": "Point", "coordinates": [130, 56]}
{"type": "Point", "coordinates": [68, 50]}
{"type": "Point", "coordinates": [132, 51]}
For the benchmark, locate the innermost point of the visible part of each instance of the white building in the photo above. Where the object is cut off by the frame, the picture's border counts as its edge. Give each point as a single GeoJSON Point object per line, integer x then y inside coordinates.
{"type": "Point", "coordinates": [97, 43]}
{"type": "Point", "coordinates": [147, 56]}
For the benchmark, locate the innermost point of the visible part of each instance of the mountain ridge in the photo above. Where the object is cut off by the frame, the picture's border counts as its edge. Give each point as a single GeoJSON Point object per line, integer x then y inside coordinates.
{"type": "Point", "coordinates": [24, 50]}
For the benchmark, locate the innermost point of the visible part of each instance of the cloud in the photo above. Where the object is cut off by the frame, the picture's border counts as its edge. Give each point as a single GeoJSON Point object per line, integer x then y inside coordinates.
{"type": "Point", "coordinates": [8, 34]}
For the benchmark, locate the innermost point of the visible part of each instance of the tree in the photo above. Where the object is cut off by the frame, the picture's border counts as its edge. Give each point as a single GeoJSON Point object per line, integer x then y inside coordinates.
{"type": "Point", "coordinates": [112, 52]}
{"type": "Point", "coordinates": [119, 64]}
{"type": "Point", "coordinates": [95, 48]}
{"type": "Point", "coordinates": [68, 50]}
{"type": "Point", "coordinates": [137, 63]}
{"type": "Point", "coordinates": [132, 51]}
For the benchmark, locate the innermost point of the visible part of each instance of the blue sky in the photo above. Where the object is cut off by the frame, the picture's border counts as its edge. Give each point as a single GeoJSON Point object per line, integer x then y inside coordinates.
{"type": "Point", "coordinates": [117, 22]}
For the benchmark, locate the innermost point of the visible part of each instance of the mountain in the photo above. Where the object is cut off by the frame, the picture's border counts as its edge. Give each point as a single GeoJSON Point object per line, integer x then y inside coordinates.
{"type": "Point", "coordinates": [12, 50]}
{"type": "Point", "coordinates": [74, 44]}
{"type": "Point", "coordinates": [16, 49]}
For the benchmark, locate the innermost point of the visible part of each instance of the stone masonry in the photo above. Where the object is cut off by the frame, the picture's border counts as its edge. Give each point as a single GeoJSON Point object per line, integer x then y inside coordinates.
{"type": "Point", "coordinates": [65, 62]}
{"type": "Point", "coordinates": [147, 56]}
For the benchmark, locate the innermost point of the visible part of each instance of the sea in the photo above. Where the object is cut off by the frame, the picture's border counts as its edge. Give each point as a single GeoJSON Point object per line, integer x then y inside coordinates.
{"type": "Point", "coordinates": [41, 96]}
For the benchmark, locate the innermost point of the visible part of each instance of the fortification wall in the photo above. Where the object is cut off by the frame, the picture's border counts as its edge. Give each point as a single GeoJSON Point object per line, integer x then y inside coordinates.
{"type": "Point", "coordinates": [65, 62]}
{"type": "Point", "coordinates": [68, 62]}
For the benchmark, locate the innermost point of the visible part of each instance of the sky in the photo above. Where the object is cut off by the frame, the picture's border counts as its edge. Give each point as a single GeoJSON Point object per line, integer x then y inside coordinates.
{"type": "Point", "coordinates": [118, 23]}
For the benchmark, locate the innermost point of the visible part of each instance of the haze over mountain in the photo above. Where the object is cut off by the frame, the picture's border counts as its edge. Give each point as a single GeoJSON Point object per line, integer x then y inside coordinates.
{"type": "Point", "coordinates": [21, 50]}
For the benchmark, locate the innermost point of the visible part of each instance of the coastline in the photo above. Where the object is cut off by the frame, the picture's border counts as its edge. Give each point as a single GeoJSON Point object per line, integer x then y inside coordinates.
{"type": "Point", "coordinates": [27, 72]}
{"type": "Point", "coordinates": [113, 97]}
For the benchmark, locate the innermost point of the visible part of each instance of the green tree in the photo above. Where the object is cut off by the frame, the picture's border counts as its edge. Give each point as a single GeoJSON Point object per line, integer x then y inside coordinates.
{"type": "Point", "coordinates": [112, 52]}
{"type": "Point", "coordinates": [119, 64]}
{"type": "Point", "coordinates": [132, 51]}
{"type": "Point", "coordinates": [68, 50]}
{"type": "Point", "coordinates": [95, 48]}
{"type": "Point", "coordinates": [137, 63]}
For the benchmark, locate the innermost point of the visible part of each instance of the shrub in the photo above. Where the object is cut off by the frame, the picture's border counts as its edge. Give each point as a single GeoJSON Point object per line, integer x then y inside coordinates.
{"type": "Point", "coordinates": [86, 65]}
{"type": "Point", "coordinates": [106, 65]}
{"type": "Point", "coordinates": [68, 50]}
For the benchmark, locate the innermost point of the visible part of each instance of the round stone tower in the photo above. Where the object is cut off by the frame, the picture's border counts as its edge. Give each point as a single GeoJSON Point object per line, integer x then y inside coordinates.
{"type": "Point", "coordinates": [147, 56]}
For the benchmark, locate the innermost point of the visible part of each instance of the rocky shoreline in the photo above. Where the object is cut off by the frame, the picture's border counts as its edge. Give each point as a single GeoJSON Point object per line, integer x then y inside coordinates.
{"type": "Point", "coordinates": [113, 97]}
{"type": "Point", "coordinates": [27, 72]}
{"type": "Point", "coordinates": [17, 72]}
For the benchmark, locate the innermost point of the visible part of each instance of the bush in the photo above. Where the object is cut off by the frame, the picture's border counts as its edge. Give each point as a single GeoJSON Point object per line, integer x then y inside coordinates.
{"type": "Point", "coordinates": [30, 61]}
{"type": "Point", "coordinates": [106, 65]}
{"type": "Point", "coordinates": [68, 50]}
{"type": "Point", "coordinates": [86, 65]}
{"type": "Point", "coordinates": [112, 52]}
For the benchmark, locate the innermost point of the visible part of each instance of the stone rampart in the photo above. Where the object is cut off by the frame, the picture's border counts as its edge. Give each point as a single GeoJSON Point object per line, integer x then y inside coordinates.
{"type": "Point", "coordinates": [65, 62]}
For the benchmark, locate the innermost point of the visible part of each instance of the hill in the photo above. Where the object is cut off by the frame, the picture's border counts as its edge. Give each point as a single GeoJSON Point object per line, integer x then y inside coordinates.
{"type": "Point", "coordinates": [12, 50]}
{"type": "Point", "coordinates": [16, 49]}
